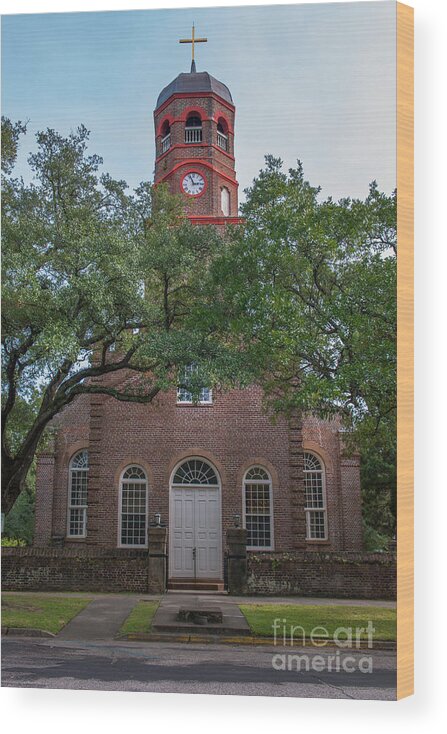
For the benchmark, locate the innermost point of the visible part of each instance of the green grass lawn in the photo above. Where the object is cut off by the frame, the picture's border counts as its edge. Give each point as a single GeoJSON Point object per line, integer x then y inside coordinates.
{"type": "Point", "coordinates": [261, 617]}
{"type": "Point", "coordinates": [140, 618]}
{"type": "Point", "coordinates": [40, 611]}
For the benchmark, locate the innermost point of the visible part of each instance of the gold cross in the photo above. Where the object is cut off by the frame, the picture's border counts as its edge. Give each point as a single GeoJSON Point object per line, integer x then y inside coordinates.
{"type": "Point", "coordinates": [193, 40]}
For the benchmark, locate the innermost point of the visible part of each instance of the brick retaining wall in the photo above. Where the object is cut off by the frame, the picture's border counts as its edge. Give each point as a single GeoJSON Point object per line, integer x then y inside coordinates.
{"type": "Point", "coordinates": [72, 569]}
{"type": "Point", "coordinates": [305, 573]}
{"type": "Point", "coordinates": [339, 574]}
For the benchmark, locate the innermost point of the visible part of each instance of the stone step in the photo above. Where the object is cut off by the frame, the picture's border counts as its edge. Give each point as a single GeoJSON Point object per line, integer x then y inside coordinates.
{"type": "Point", "coordinates": [195, 585]}
{"type": "Point", "coordinates": [208, 609]}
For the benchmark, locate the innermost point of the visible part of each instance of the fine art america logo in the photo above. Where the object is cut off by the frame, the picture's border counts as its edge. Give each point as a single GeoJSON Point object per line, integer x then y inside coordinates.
{"type": "Point", "coordinates": [344, 638]}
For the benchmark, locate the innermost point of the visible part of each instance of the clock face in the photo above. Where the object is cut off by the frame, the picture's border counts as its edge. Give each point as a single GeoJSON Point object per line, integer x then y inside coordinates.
{"type": "Point", "coordinates": [193, 184]}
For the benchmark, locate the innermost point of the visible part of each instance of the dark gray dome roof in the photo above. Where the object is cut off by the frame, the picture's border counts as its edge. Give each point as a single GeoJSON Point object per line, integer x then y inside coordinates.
{"type": "Point", "coordinates": [194, 82]}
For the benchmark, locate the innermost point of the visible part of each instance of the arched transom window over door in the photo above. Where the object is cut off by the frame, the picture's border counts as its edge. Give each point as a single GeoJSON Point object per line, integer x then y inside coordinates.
{"type": "Point", "coordinates": [77, 495]}
{"type": "Point", "coordinates": [258, 509]}
{"type": "Point", "coordinates": [196, 472]}
{"type": "Point", "coordinates": [314, 484]}
{"type": "Point", "coordinates": [133, 507]}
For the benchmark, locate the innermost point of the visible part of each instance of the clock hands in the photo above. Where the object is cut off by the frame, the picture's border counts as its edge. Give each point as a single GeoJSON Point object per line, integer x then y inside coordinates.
{"type": "Point", "coordinates": [193, 183]}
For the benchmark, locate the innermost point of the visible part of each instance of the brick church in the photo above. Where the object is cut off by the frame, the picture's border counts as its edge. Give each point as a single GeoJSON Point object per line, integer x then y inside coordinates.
{"type": "Point", "coordinates": [199, 468]}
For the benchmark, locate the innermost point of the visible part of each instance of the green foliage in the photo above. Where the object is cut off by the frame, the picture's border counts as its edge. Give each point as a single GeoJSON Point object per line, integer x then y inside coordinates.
{"type": "Point", "coordinates": [19, 523]}
{"type": "Point", "coordinates": [261, 618]}
{"type": "Point", "coordinates": [88, 265]}
{"type": "Point", "coordinates": [374, 541]}
{"type": "Point", "coordinates": [323, 298]}
{"type": "Point", "coordinates": [316, 280]}
{"type": "Point", "coordinates": [140, 618]}
{"type": "Point", "coordinates": [302, 299]}
{"type": "Point", "coordinates": [45, 612]}
{"type": "Point", "coordinates": [379, 478]}
{"type": "Point", "coordinates": [10, 139]}
{"type": "Point", "coordinates": [12, 542]}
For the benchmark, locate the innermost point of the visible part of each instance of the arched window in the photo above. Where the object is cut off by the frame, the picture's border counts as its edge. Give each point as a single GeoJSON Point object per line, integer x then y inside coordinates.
{"type": "Point", "coordinates": [258, 509]}
{"type": "Point", "coordinates": [222, 134]}
{"type": "Point", "coordinates": [165, 136]}
{"type": "Point", "coordinates": [314, 485]}
{"type": "Point", "coordinates": [195, 472]}
{"type": "Point", "coordinates": [225, 201]}
{"type": "Point", "coordinates": [77, 495]}
{"type": "Point", "coordinates": [193, 129]}
{"type": "Point", "coordinates": [133, 507]}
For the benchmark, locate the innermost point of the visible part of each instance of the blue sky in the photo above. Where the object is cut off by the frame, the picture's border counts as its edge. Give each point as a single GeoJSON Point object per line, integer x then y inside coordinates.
{"type": "Point", "coordinates": [314, 82]}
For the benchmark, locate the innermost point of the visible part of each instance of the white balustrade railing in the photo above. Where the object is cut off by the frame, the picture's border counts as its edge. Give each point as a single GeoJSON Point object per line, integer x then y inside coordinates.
{"type": "Point", "coordinates": [166, 143]}
{"type": "Point", "coordinates": [222, 141]}
{"type": "Point", "coordinates": [193, 135]}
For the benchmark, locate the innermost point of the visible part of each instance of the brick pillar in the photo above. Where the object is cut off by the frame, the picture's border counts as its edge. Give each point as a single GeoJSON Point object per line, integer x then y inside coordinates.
{"type": "Point", "coordinates": [43, 523]}
{"type": "Point", "coordinates": [237, 560]}
{"type": "Point", "coordinates": [296, 469]}
{"type": "Point", "coordinates": [157, 559]}
{"type": "Point", "coordinates": [351, 502]}
{"type": "Point", "coordinates": [351, 497]}
{"type": "Point", "coordinates": [95, 502]}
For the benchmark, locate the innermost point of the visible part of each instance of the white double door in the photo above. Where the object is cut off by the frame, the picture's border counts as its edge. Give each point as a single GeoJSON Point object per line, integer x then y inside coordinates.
{"type": "Point", "coordinates": [195, 545]}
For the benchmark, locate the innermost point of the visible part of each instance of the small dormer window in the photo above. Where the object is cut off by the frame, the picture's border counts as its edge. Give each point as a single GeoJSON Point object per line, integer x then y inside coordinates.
{"type": "Point", "coordinates": [222, 135]}
{"type": "Point", "coordinates": [193, 129]}
{"type": "Point", "coordinates": [165, 136]}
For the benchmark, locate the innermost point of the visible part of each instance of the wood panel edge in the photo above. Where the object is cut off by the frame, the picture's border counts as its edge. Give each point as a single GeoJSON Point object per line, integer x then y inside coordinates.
{"type": "Point", "coordinates": [405, 348]}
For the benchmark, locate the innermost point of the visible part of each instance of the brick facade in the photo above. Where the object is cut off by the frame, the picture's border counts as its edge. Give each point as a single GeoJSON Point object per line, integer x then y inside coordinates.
{"type": "Point", "coordinates": [233, 433]}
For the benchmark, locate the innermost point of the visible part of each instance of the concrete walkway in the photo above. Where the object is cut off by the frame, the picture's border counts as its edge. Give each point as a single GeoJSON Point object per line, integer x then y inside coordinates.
{"type": "Point", "coordinates": [100, 620]}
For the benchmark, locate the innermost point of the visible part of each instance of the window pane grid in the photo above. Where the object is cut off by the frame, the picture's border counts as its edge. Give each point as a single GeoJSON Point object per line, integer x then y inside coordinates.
{"type": "Point", "coordinates": [186, 396]}
{"type": "Point", "coordinates": [77, 521]}
{"type": "Point", "coordinates": [317, 524]}
{"type": "Point", "coordinates": [258, 512]}
{"type": "Point", "coordinates": [133, 507]}
{"type": "Point", "coordinates": [315, 498]}
{"type": "Point", "coordinates": [77, 496]}
{"type": "Point", "coordinates": [257, 472]}
{"type": "Point", "coordinates": [314, 489]}
{"type": "Point", "coordinates": [258, 531]}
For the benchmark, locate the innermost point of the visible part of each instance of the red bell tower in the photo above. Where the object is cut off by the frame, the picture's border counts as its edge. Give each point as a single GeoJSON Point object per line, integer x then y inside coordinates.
{"type": "Point", "coordinates": [194, 143]}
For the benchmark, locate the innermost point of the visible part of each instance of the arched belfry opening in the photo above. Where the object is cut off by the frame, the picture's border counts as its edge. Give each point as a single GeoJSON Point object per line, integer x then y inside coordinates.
{"type": "Point", "coordinates": [193, 129]}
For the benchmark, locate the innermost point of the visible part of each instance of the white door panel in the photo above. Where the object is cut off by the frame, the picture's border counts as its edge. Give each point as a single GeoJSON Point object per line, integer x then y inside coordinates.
{"type": "Point", "coordinates": [195, 523]}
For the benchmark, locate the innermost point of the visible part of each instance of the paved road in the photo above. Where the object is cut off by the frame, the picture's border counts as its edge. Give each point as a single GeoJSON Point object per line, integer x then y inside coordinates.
{"type": "Point", "coordinates": [184, 668]}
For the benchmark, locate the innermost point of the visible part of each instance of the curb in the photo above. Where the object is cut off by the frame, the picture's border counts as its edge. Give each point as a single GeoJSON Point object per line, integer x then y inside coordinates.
{"type": "Point", "coordinates": [245, 640]}
{"type": "Point", "coordinates": [207, 639]}
{"type": "Point", "coordinates": [25, 632]}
